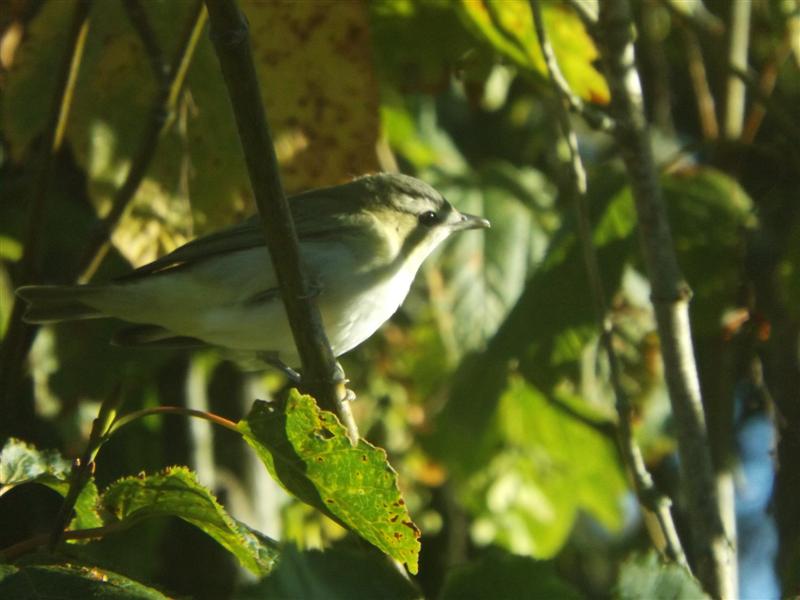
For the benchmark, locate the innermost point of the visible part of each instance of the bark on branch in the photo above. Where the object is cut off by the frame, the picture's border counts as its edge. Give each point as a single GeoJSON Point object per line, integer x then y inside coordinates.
{"type": "Point", "coordinates": [714, 553]}
{"type": "Point", "coordinates": [321, 373]}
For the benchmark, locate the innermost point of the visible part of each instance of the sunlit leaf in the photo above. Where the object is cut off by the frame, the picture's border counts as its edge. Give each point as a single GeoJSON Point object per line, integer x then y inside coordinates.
{"type": "Point", "coordinates": [70, 581]}
{"type": "Point", "coordinates": [315, 67]}
{"type": "Point", "coordinates": [22, 463]}
{"type": "Point", "coordinates": [507, 25]}
{"type": "Point", "coordinates": [309, 453]}
{"type": "Point", "coordinates": [550, 466]}
{"type": "Point", "coordinates": [648, 576]}
{"type": "Point", "coordinates": [175, 492]}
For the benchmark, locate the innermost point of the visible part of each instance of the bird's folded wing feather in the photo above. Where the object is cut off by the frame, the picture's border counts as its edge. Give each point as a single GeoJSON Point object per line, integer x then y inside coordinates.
{"type": "Point", "coordinates": [312, 215]}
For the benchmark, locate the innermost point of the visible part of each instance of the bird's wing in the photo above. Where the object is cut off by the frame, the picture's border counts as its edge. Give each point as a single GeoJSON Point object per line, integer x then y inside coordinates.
{"type": "Point", "coordinates": [242, 236]}
{"type": "Point", "coordinates": [315, 216]}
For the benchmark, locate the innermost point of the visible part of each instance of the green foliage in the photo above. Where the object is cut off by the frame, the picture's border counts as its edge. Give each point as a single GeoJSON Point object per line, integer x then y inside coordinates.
{"type": "Point", "coordinates": [647, 576]}
{"type": "Point", "coordinates": [307, 450]}
{"type": "Point", "coordinates": [484, 275]}
{"type": "Point", "coordinates": [176, 492]}
{"type": "Point", "coordinates": [320, 137]}
{"type": "Point", "coordinates": [508, 26]}
{"type": "Point", "coordinates": [21, 463]}
{"type": "Point", "coordinates": [506, 577]}
{"type": "Point", "coordinates": [339, 573]}
{"type": "Point", "coordinates": [488, 389]}
{"type": "Point", "coordinates": [550, 468]}
{"type": "Point", "coordinates": [70, 581]}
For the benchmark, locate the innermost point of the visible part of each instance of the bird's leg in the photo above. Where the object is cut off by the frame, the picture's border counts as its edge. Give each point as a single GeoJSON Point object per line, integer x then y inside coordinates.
{"type": "Point", "coordinates": [271, 358]}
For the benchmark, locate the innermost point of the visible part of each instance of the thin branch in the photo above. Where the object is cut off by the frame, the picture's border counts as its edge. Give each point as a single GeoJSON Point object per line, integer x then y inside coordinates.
{"type": "Point", "coordinates": [786, 117]}
{"type": "Point", "coordinates": [706, 106]}
{"type": "Point", "coordinates": [321, 373]}
{"type": "Point", "coordinates": [594, 117]}
{"type": "Point", "coordinates": [159, 121]}
{"type": "Point", "coordinates": [648, 494]}
{"type": "Point", "coordinates": [766, 85]}
{"type": "Point", "coordinates": [84, 468]}
{"type": "Point", "coordinates": [714, 554]}
{"type": "Point", "coordinates": [172, 410]}
{"type": "Point", "coordinates": [19, 335]}
{"type": "Point", "coordinates": [739, 42]}
{"type": "Point", "coordinates": [696, 16]}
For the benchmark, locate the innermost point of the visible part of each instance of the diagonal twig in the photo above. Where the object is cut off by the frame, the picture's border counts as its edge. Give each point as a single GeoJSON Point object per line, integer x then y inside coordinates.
{"type": "Point", "coordinates": [648, 494]}
{"type": "Point", "coordinates": [713, 548]}
{"type": "Point", "coordinates": [159, 121]}
{"type": "Point", "coordinates": [321, 373]}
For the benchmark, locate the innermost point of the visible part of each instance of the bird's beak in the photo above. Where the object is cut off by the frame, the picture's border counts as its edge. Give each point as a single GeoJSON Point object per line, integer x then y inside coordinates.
{"type": "Point", "coordinates": [466, 221]}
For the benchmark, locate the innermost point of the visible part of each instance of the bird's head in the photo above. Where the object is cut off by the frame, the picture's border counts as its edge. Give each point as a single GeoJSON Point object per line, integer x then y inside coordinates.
{"type": "Point", "coordinates": [412, 216]}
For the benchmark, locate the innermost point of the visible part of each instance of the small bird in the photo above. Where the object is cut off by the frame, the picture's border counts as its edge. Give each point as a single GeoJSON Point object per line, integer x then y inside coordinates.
{"type": "Point", "coordinates": [361, 244]}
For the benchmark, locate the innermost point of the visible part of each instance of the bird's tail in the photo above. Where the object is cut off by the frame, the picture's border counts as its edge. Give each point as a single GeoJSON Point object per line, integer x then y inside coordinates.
{"type": "Point", "coordinates": [54, 303]}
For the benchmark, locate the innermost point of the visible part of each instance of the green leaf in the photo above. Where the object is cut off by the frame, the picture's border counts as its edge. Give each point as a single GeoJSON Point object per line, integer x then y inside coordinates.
{"type": "Point", "coordinates": [318, 56]}
{"type": "Point", "coordinates": [70, 581]}
{"type": "Point", "coordinates": [501, 576]}
{"type": "Point", "coordinates": [21, 463]}
{"type": "Point", "coordinates": [648, 576]}
{"type": "Point", "coordinates": [484, 274]}
{"type": "Point", "coordinates": [507, 25]}
{"type": "Point", "coordinates": [544, 334]}
{"type": "Point", "coordinates": [339, 573]}
{"type": "Point", "coordinates": [308, 452]}
{"type": "Point", "coordinates": [549, 468]}
{"type": "Point", "coordinates": [176, 492]}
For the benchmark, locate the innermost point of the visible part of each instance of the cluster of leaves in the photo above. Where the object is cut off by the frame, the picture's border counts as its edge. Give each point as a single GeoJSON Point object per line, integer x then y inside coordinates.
{"type": "Point", "coordinates": [488, 390]}
{"type": "Point", "coordinates": [306, 450]}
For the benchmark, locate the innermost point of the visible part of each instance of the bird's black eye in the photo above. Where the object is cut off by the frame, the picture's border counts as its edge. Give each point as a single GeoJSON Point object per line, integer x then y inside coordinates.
{"type": "Point", "coordinates": [429, 218]}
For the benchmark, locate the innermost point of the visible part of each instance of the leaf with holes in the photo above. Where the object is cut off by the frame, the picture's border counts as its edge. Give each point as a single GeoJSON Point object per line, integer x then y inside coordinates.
{"type": "Point", "coordinates": [176, 492]}
{"type": "Point", "coordinates": [308, 452]}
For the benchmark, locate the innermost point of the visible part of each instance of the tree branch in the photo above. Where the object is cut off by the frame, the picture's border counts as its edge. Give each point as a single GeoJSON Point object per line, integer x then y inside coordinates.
{"type": "Point", "coordinates": [649, 496]}
{"type": "Point", "coordinates": [739, 42]}
{"type": "Point", "coordinates": [321, 373]}
{"type": "Point", "coordinates": [19, 335]}
{"type": "Point", "coordinates": [715, 557]}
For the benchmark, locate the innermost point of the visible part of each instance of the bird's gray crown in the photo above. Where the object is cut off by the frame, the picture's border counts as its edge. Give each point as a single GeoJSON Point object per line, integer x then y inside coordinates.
{"type": "Point", "coordinates": [381, 190]}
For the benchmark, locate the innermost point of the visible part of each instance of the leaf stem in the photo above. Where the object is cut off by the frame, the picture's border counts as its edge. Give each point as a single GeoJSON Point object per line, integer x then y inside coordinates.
{"type": "Point", "coordinates": [321, 373]}
{"type": "Point", "coordinates": [649, 496]}
{"type": "Point", "coordinates": [172, 410]}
